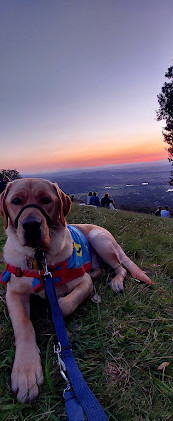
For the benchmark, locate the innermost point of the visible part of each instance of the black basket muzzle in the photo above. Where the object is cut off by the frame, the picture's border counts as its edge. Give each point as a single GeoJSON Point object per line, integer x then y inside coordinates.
{"type": "Point", "coordinates": [32, 205]}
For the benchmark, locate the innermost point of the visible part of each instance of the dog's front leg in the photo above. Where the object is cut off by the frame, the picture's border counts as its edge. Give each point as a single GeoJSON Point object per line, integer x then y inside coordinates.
{"type": "Point", "coordinates": [80, 290]}
{"type": "Point", "coordinates": [27, 371]}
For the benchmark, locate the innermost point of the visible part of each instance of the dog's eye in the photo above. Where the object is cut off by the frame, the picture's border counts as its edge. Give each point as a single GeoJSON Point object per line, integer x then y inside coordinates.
{"type": "Point", "coordinates": [46, 200]}
{"type": "Point", "coordinates": [16, 201]}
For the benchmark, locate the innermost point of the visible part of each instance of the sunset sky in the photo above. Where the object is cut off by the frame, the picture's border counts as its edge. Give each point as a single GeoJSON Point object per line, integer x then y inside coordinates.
{"type": "Point", "coordinates": [79, 82]}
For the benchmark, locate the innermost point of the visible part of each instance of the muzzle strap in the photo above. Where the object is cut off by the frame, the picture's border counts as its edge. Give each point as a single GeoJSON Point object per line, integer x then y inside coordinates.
{"type": "Point", "coordinates": [32, 205]}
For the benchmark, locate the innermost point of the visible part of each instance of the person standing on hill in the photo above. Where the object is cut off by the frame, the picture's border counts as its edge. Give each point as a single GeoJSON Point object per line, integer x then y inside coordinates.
{"type": "Point", "coordinates": [94, 200]}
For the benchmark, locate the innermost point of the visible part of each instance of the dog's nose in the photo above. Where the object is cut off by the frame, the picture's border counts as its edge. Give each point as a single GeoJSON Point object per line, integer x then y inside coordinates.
{"type": "Point", "coordinates": [30, 224]}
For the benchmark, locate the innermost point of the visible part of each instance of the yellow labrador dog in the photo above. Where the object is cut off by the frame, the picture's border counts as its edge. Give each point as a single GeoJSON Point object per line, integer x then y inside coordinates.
{"type": "Point", "coordinates": [38, 239]}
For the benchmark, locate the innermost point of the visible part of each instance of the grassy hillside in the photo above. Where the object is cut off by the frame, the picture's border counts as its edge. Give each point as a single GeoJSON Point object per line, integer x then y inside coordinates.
{"type": "Point", "coordinates": [118, 343]}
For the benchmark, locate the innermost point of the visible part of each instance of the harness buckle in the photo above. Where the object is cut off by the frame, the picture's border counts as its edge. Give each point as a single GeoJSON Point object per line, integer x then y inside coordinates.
{"type": "Point", "coordinates": [18, 272]}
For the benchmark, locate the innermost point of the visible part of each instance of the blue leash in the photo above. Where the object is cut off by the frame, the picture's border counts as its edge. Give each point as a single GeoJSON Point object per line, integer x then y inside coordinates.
{"type": "Point", "coordinates": [78, 397]}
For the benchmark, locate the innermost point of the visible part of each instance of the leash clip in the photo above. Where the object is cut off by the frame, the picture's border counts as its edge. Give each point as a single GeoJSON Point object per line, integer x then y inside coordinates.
{"type": "Point", "coordinates": [47, 273]}
{"type": "Point", "coordinates": [62, 366]}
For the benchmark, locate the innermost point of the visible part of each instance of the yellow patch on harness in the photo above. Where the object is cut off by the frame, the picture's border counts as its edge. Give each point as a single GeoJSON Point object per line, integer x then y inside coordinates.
{"type": "Point", "coordinates": [78, 249]}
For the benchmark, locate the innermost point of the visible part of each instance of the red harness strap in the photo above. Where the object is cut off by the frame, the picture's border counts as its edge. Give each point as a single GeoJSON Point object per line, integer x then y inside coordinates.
{"type": "Point", "coordinates": [61, 276]}
{"type": "Point", "coordinates": [69, 274]}
{"type": "Point", "coordinates": [19, 272]}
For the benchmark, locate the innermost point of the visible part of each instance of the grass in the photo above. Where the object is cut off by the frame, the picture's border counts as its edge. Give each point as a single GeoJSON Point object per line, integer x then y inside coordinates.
{"type": "Point", "coordinates": [119, 343]}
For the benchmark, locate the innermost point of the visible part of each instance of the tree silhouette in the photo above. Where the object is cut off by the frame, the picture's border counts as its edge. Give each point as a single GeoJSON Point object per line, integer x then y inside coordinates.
{"type": "Point", "coordinates": [11, 174]}
{"type": "Point", "coordinates": [165, 112]}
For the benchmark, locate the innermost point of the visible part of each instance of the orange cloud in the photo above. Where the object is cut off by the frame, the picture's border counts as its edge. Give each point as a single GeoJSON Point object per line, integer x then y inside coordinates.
{"type": "Point", "coordinates": [110, 153]}
{"type": "Point", "coordinates": [86, 154]}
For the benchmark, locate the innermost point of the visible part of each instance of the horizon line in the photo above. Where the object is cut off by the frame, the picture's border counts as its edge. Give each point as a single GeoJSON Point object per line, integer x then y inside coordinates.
{"type": "Point", "coordinates": [95, 167]}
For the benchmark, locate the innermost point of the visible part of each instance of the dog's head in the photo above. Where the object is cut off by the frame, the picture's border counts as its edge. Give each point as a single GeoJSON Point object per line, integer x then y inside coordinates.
{"type": "Point", "coordinates": [33, 208]}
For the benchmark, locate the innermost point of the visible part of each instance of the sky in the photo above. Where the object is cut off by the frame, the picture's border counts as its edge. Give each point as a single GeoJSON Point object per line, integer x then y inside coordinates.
{"type": "Point", "coordinates": [79, 81]}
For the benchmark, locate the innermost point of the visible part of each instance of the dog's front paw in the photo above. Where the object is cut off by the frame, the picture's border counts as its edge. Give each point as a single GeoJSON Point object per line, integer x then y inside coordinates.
{"type": "Point", "coordinates": [117, 283]}
{"type": "Point", "coordinates": [26, 375]}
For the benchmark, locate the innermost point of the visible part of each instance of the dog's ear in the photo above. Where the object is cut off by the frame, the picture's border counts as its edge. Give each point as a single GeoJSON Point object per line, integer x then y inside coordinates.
{"type": "Point", "coordinates": [3, 207]}
{"type": "Point", "coordinates": [64, 204]}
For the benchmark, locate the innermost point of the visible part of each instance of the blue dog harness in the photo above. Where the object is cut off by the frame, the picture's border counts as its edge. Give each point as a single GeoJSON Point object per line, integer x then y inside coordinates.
{"type": "Point", "coordinates": [74, 267]}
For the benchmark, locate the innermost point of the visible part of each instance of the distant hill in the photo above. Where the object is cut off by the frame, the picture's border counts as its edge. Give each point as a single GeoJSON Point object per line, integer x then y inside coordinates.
{"type": "Point", "coordinates": [138, 187]}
